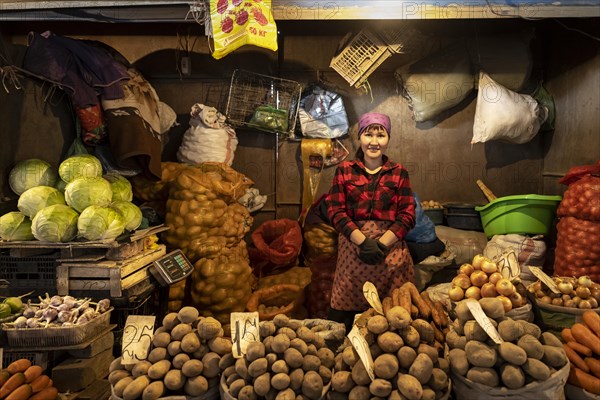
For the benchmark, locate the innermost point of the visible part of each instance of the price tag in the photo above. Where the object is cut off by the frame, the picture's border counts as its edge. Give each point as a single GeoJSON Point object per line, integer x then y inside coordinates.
{"type": "Point", "coordinates": [370, 293]}
{"type": "Point", "coordinates": [508, 265]}
{"type": "Point", "coordinates": [542, 276]}
{"type": "Point", "coordinates": [362, 348]}
{"type": "Point", "coordinates": [137, 337]}
{"type": "Point", "coordinates": [483, 320]}
{"type": "Point", "coordinates": [244, 330]}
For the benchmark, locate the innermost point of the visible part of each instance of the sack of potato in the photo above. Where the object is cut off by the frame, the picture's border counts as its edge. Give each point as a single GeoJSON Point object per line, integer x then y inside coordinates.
{"type": "Point", "coordinates": [527, 364]}
{"type": "Point", "coordinates": [187, 356]}
{"type": "Point", "coordinates": [290, 361]}
{"type": "Point", "coordinates": [278, 299]}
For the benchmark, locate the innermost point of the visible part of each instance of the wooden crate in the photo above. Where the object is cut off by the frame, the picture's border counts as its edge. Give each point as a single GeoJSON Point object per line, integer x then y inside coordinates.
{"type": "Point", "coordinates": [112, 275]}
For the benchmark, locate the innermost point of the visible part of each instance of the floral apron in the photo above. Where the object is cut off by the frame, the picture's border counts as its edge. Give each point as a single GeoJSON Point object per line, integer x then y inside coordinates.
{"type": "Point", "coordinates": [351, 273]}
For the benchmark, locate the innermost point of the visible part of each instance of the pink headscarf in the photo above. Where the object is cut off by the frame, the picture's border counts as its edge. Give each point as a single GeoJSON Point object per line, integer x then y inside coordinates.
{"type": "Point", "coordinates": [374, 118]}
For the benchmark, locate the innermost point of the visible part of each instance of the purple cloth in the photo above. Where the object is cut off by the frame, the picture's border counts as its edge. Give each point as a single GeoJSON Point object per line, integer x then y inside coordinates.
{"type": "Point", "coordinates": [82, 70]}
{"type": "Point", "coordinates": [374, 118]}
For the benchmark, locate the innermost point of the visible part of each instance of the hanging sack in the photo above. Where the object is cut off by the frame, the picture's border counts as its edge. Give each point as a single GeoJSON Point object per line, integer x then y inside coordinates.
{"type": "Point", "coordinates": [208, 139]}
{"type": "Point", "coordinates": [322, 114]}
{"type": "Point", "coordinates": [276, 244]}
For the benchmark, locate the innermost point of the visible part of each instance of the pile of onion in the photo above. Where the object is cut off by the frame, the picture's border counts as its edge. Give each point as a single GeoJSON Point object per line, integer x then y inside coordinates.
{"type": "Point", "coordinates": [579, 292]}
{"type": "Point", "coordinates": [482, 278]}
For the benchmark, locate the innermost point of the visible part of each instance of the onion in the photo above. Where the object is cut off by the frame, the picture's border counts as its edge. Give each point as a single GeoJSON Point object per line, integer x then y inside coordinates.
{"type": "Point", "coordinates": [505, 287]}
{"type": "Point", "coordinates": [585, 281]}
{"type": "Point", "coordinates": [557, 302]}
{"type": "Point", "coordinates": [489, 290]}
{"type": "Point", "coordinates": [569, 303]}
{"type": "Point", "coordinates": [585, 304]}
{"type": "Point", "coordinates": [595, 293]}
{"type": "Point", "coordinates": [473, 293]}
{"type": "Point", "coordinates": [456, 293]}
{"type": "Point", "coordinates": [565, 287]}
{"type": "Point", "coordinates": [495, 277]}
{"type": "Point", "coordinates": [593, 302]}
{"type": "Point", "coordinates": [479, 278]}
{"type": "Point", "coordinates": [488, 266]}
{"type": "Point", "coordinates": [539, 294]}
{"type": "Point", "coordinates": [516, 299]}
{"type": "Point", "coordinates": [478, 261]}
{"type": "Point", "coordinates": [506, 303]}
{"type": "Point", "coordinates": [576, 300]}
{"type": "Point", "coordinates": [462, 281]}
{"type": "Point", "coordinates": [546, 299]}
{"type": "Point", "coordinates": [565, 297]}
{"type": "Point", "coordinates": [466, 269]}
{"type": "Point", "coordinates": [583, 292]}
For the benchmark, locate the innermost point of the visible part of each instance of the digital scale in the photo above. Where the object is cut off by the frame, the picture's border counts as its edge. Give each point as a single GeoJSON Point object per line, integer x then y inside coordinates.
{"type": "Point", "coordinates": [171, 268]}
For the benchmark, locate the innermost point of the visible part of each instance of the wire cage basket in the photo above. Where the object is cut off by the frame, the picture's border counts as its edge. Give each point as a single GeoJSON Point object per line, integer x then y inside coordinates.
{"type": "Point", "coordinates": [403, 39]}
{"type": "Point", "coordinates": [263, 102]}
{"type": "Point", "coordinates": [358, 57]}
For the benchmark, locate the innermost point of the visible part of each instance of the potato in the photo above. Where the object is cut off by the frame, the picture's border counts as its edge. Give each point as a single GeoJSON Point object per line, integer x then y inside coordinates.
{"type": "Point", "coordinates": [211, 365]}
{"type": "Point", "coordinates": [120, 385]}
{"type": "Point", "coordinates": [474, 331]}
{"type": "Point", "coordinates": [286, 394]}
{"type": "Point", "coordinates": [485, 376]}
{"type": "Point", "coordinates": [271, 358]}
{"type": "Point", "coordinates": [421, 368]}
{"type": "Point", "coordinates": [359, 374]}
{"type": "Point", "coordinates": [311, 363]}
{"type": "Point", "coordinates": [296, 379]}
{"type": "Point", "coordinates": [196, 386]}
{"type": "Point", "coordinates": [512, 376]}
{"type": "Point", "coordinates": [135, 389]}
{"type": "Point", "coordinates": [280, 381]}
{"type": "Point", "coordinates": [380, 388]}
{"type": "Point", "coordinates": [510, 330]}
{"type": "Point", "coordinates": [170, 320]}
{"type": "Point", "coordinates": [180, 330]}
{"type": "Point", "coordinates": [247, 393]}
{"type": "Point", "coordinates": [389, 342]}
{"type": "Point", "coordinates": [410, 387]}
{"type": "Point", "coordinates": [444, 365]}
{"type": "Point", "coordinates": [512, 353]}
{"type": "Point", "coordinates": [280, 367]}
{"type": "Point", "coordinates": [458, 361]}
{"type": "Point", "coordinates": [375, 350]}
{"type": "Point", "coordinates": [438, 380]}
{"type": "Point", "coordinates": [326, 356]}
{"type": "Point", "coordinates": [174, 348]}
{"type": "Point", "coordinates": [179, 360]}
{"type": "Point", "coordinates": [312, 386]}
{"type": "Point", "coordinates": [550, 339]}
{"type": "Point", "coordinates": [350, 356]}
{"type": "Point", "coordinates": [536, 369]}
{"type": "Point", "coordinates": [325, 374]}
{"type": "Point", "coordinates": [455, 341]}
{"type": "Point", "coordinates": [174, 379]}
{"type": "Point", "coordinates": [532, 346]}
{"type": "Point", "coordinates": [268, 341]}
{"type": "Point", "coordinates": [492, 307]}
{"type": "Point", "coordinates": [161, 339]}
{"type": "Point", "coordinates": [267, 328]}
{"type": "Point", "coordinates": [431, 351]}
{"type": "Point", "coordinates": [531, 329]}
{"type": "Point", "coordinates": [262, 384]}
{"type": "Point", "coordinates": [258, 367]}
{"type": "Point", "coordinates": [463, 312]}
{"type": "Point", "coordinates": [480, 355]}
{"type": "Point", "coordinates": [209, 328]}
{"type": "Point", "coordinates": [281, 343]}
{"type": "Point", "coordinates": [190, 342]}
{"type": "Point", "coordinates": [153, 391]}
{"type": "Point", "coordinates": [425, 330]}
{"type": "Point", "coordinates": [410, 336]}
{"type": "Point", "coordinates": [299, 345]}
{"type": "Point", "coordinates": [554, 356]}
{"type": "Point", "coordinates": [220, 345]}
{"type": "Point", "coordinates": [226, 361]}
{"type": "Point", "coordinates": [201, 352]}
{"type": "Point", "coordinates": [236, 386]}
{"type": "Point", "coordinates": [406, 355]}
{"type": "Point", "coordinates": [398, 317]}
{"type": "Point", "coordinates": [342, 381]}
{"type": "Point", "coordinates": [159, 369]}
{"type": "Point", "coordinates": [115, 365]}
{"type": "Point", "coordinates": [281, 320]}
{"type": "Point", "coordinates": [117, 375]}
{"type": "Point", "coordinates": [157, 354]}
{"type": "Point", "coordinates": [385, 366]}
{"type": "Point", "coordinates": [192, 368]}
{"type": "Point", "coordinates": [360, 393]}
{"type": "Point", "coordinates": [293, 358]}
{"type": "Point", "coordinates": [241, 368]}
{"type": "Point", "coordinates": [377, 324]}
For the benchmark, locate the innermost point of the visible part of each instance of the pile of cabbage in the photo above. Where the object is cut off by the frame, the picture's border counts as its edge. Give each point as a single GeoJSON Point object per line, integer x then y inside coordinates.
{"type": "Point", "coordinates": [75, 202]}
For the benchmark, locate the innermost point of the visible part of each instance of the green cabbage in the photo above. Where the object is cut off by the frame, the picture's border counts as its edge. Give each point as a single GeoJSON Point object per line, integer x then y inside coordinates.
{"type": "Point", "coordinates": [15, 226]}
{"type": "Point", "coordinates": [80, 166]}
{"type": "Point", "coordinates": [121, 187]}
{"type": "Point", "coordinates": [30, 173]}
{"type": "Point", "coordinates": [57, 223]}
{"type": "Point", "coordinates": [34, 199]}
{"type": "Point", "coordinates": [132, 214]}
{"type": "Point", "coordinates": [100, 223]}
{"type": "Point", "coordinates": [84, 192]}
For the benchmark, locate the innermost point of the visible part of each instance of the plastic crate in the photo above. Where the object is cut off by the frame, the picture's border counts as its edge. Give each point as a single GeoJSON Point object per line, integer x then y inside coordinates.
{"type": "Point", "coordinates": [36, 358]}
{"type": "Point", "coordinates": [359, 57]}
{"type": "Point", "coordinates": [263, 102]}
{"type": "Point", "coordinates": [26, 274]}
{"type": "Point", "coordinates": [402, 40]}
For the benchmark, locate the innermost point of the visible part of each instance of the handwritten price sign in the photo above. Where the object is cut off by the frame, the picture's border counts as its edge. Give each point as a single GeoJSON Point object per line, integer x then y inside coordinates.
{"type": "Point", "coordinates": [362, 348]}
{"type": "Point", "coordinates": [370, 293]}
{"type": "Point", "coordinates": [244, 330]}
{"type": "Point", "coordinates": [484, 321]}
{"type": "Point", "coordinates": [137, 337]}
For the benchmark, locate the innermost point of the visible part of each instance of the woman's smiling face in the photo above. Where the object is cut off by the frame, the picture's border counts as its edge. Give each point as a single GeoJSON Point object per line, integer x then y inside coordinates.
{"type": "Point", "coordinates": [374, 141]}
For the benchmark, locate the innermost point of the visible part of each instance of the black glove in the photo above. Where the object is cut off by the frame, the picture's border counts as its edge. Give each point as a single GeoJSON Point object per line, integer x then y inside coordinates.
{"type": "Point", "coordinates": [370, 252]}
{"type": "Point", "coordinates": [383, 248]}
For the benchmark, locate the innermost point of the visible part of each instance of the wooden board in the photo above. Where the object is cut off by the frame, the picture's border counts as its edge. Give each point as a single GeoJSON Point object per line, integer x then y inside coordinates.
{"type": "Point", "coordinates": [76, 374]}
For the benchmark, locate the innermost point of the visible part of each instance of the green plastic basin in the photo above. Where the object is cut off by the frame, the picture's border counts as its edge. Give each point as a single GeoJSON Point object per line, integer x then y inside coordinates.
{"type": "Point", "coordinates": [529, 214]}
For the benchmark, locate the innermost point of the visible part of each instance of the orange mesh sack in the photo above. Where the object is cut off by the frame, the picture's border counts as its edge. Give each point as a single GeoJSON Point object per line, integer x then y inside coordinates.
{"type": "Point", "coordinates": [277, 244]}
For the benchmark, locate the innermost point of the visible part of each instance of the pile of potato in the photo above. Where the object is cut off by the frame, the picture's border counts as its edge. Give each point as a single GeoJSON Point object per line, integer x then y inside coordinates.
{"type": "Point", "coordinates": [290, 361]}
{"type": "Point", "coordinates": [429, 204]}
{"type": "Point", "coordinates": [482, 279]}
{"type": "Point", "coordinates": [187, 357]}
{"type": "Point", "coordinates": [579, 292]}
{"type": "Point", "coordinates": [406, 360]}
{"type": "Point", "coordinates": [526, 354]}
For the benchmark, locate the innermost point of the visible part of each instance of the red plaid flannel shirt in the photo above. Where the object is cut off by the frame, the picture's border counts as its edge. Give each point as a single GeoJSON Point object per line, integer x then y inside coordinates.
{"type": "Point", "coordinates": [354, 197]}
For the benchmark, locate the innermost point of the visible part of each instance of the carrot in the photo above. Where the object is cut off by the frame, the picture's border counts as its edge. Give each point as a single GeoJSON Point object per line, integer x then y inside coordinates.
{"type": "Point", "coordinates": [586, 337]}
{"type": "Point", "coordinates": [32, 373]}
{"type": "Point", "coordinates": [386, 304]}
{"type": "Point", "coordinates": [584, 380]}
{"type": "Point", "coordinates": [592, 320]}
{"type": "Point", "coordinates": [395, 297]}
{"type": "Point", "coordinates": [4, 375]}
{"type": "Point", "coordinates": [40, 383]}
{"type": "Point", "coordinates": [594, 365]}
{"type": "Point", "coordinates": [414, 312]}
{"type": "Point", "coordinates": [404, 298]}
{"type": "Point", "coordinates": [439, 307]}
{"type": "Point", "coordinates": [11, 384]}
{"type": "Point", "coordinates": [427, 300]}
{"type": "Point", "coordinates": [581, 349]}
{"type": "Point", "coordinates": [48, 393]}
{"type": "Point", "coordinates": [575, 359]}
{"type": "Point", "coordinates": [21, 393]}
{"type": "Point", "coordinates": [417, 300]}
{"type": "Point", "coordinates": [567, 336]}
{"type": "Point", "coordinates": [19, 365]}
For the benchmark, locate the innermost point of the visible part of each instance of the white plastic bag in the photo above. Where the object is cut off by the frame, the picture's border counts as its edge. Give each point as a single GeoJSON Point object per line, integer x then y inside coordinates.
{"type": "Point", "coordinates": [208, 139]}
{"type": "Point", "coordinates": [529, 251]}
{"type": "Point", "coordinates": [322, 114]}
{"type": "Point", "coordinates": [501, 114]}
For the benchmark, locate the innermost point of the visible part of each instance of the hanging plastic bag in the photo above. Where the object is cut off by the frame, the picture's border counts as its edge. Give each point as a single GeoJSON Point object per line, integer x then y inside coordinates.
{"type": "Point", "coordinates": [236, 23]}
{"type": "Point", "coordinates": [322, 114]}
{"type": "Point", "coordinates": [77, 147]}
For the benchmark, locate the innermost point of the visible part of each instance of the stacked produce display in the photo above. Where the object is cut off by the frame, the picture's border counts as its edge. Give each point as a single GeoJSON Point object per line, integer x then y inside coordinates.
{"type": "Point", "coordinates": [21, 380]}
{"type": "Point", "coordinates": [581, 293]}
{"type": "Point", "coordinates": [582, 346]}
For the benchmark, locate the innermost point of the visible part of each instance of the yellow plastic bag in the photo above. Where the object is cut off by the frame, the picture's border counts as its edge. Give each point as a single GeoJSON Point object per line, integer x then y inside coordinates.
{"type": "Point", "coordinates": [239, 22]}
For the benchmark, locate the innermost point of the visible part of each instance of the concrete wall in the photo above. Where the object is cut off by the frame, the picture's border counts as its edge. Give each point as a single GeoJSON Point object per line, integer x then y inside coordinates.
{"type": "Point", "coordinates": [442, 163]}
